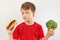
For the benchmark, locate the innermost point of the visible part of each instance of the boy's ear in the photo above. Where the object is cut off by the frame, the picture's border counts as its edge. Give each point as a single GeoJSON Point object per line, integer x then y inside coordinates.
{"type": "Point", "coordinates": [33, 14]}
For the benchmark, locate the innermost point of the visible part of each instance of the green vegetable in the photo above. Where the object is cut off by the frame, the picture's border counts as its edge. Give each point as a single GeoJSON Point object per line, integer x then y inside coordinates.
{"type": "Point", "coordinates": [51, 24]}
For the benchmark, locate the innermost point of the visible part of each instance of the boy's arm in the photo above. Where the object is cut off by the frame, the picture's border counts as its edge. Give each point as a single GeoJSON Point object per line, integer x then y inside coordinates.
{"type": "Point", "coordinates": [48, 35]}
{"type": "Point", "coordinates": [46, 38]}
{"type": "Point", "coordinates": [15, 39]}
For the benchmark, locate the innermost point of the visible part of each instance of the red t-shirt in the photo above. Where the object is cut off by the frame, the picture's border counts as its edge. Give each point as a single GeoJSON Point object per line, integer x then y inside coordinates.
{"type": "Point", "coordinates": [28, 32]}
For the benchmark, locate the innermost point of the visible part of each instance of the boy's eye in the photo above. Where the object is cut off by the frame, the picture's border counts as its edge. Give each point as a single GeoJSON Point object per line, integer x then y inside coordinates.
{"type": "Point", "coordinates": [27, 12]}
{"type": "Point", "coordinates": [22, 13]}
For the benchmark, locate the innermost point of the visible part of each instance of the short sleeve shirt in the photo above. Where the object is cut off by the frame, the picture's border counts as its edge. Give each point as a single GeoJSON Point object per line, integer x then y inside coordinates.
{"type": "Point", "coordinates": [28, 32]}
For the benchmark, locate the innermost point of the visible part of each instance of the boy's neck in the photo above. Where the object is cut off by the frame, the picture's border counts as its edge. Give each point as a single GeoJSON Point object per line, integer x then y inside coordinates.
{"type": "Point", "coordinates": [30, 22]}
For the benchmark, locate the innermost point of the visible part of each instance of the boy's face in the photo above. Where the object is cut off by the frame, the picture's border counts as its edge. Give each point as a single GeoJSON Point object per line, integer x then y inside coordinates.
{"type": "Point", "coordinates": [27, 14]}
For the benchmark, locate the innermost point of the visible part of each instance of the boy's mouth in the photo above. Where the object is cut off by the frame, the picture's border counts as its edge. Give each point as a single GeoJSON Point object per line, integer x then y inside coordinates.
{"type": "Point", "coordinates": [25, 18]}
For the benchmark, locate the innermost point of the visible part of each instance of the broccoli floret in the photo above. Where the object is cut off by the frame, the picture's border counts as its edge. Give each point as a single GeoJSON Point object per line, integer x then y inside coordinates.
{"type": "Point", "coordinates": [51, 24]}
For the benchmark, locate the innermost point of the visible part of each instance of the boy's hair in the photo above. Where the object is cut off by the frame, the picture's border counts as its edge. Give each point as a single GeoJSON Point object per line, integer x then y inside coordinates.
{"type": "Point", "coordinates": [28, 5]}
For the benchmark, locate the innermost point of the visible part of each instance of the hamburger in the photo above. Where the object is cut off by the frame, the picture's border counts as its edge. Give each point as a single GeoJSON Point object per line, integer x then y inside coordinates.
{"type": "Point", "coordinates": [11, 24]}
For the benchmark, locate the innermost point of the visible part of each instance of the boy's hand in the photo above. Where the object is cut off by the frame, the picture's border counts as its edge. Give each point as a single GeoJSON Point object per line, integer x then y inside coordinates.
{"type": "Point", "coordinates": [11, 25]}
{"type": "Point", "coordinates": [9, 31]}
{"type": "Point", "coordinates": [50, 33]}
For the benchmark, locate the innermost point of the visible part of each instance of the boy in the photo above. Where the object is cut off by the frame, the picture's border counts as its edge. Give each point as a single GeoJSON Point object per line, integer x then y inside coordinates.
{"type": "Point", "coordinates": [29, 29]}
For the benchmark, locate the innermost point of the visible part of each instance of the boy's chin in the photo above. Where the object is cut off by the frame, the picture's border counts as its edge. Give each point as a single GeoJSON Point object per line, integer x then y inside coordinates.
{"type": "Point", "coordinates": [26, 20]}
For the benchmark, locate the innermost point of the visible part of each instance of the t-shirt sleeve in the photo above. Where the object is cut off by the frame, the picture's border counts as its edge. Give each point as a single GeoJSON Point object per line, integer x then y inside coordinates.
{"type": "Point", "coordinates": [16, 33]}
{"type": "Point", "coordinates": [41, 33]}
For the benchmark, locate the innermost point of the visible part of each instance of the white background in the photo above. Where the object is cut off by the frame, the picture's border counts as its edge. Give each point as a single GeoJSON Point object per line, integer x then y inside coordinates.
{"type": "Point", "coordinates": [45, 10]}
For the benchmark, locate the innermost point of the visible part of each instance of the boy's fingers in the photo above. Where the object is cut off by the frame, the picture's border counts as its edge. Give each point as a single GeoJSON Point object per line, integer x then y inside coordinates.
{"type": "Point", "coordinates": [6, 27]}
{"type": "Point", "coordinates": [51, 32]}
{"type": "Point", "coordinates": [10, 32]}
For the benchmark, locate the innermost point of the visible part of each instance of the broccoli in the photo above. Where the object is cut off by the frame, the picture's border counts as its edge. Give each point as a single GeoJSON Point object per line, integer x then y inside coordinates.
{"type": "Point", "coordinates": [51, 24]}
